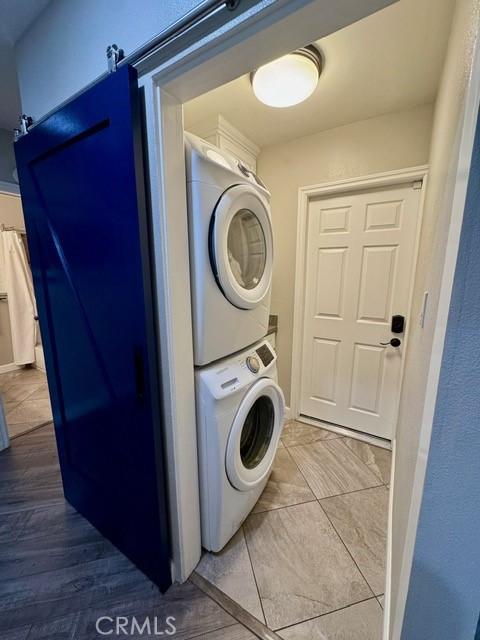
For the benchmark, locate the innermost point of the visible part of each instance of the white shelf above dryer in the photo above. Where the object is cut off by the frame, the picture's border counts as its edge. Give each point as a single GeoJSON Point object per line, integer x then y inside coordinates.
{"type": "Point", "coordinates": [218, 131]}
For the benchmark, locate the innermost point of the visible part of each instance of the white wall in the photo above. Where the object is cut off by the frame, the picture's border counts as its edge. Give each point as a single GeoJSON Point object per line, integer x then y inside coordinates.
{"type": "Point", "coordinates": [393, 141]}
{"type": "Point", "coordinates": [447, 127]}
{"type": "Point", "coordinates": [444, 590]}
{"type": "Point", "coordinates": [65, 48]}
{"type": "Point", "coordinates": [7, 156]}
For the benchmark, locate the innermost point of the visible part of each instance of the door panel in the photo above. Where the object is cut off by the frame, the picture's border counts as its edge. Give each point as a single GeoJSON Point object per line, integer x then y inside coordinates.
{"type": "Point", "coordinates": [383, 215]}
{"type": "Point", "coordinates": [324, 370]}
{"type": "Point", "coordinates": [330, 290]}
{"type": "Point", "coordinates": [378, 273]}
{"type": "Point", "coordinates": [334, 220]}
{"type": "Point", "coordinates": [367, 377]}
{"type": "Point", "coordinates": [360, 252]}
{"type": "Point", "coordinates": [81, 181]}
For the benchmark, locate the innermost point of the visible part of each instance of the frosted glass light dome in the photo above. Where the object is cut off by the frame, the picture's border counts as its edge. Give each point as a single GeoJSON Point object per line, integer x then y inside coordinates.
{"type": "Point", "coordinates": [288, 80]}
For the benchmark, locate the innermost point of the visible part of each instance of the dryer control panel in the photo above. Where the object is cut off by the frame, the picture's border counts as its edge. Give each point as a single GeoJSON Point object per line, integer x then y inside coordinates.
{"type": "Point", "coordinates": [265, 354]}
{"type": "Point", "coordinates": [238, 371]}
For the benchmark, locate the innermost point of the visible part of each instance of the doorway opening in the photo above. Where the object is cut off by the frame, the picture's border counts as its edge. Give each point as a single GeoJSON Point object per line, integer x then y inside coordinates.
{"type": "Point", "coordinates": [357, 248]}
{"type": "Point", "coordinates": [24, 393]}
{"type": "Point", "coordinates": [356, 127]}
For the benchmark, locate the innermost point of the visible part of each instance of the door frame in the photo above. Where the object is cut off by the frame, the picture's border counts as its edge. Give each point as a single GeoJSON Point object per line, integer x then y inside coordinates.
{"type": "Point", "coordinates": [336, 188]}
{"type": "Point", "coordinates": [231, 51]}
{"type": "Point", "coordinates": [9, 189]}
{"type": "Point", "coordinates": [262, 33]}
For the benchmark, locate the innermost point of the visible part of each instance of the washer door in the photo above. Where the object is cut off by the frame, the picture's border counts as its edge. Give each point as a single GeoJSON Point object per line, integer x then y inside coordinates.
{"type": "Point", "coordinates": [241, 246]}
{"type": "Point", "coordinates": [254, 435]}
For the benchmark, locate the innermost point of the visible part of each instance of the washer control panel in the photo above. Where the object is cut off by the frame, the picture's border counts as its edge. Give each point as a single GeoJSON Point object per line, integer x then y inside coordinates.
{"type": "Point", "coordinates": [227, 376]}
{"type": "Point", "coordinates": [265, 354]}
{"type": "Point", "coordinates": [253, 364]}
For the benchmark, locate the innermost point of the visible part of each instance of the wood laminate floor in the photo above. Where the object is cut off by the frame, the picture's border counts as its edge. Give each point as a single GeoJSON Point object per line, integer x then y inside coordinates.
{"type": "Point", "coordinates": [25, 398]}
{"type": "Point", "coordinates": [58, 575]}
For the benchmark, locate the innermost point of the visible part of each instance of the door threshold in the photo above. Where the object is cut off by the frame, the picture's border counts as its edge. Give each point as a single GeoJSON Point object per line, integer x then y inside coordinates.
{"type": "Point", "coordinates": [345, 431]}
{"type": "Point", "coordinates": [232, 607]}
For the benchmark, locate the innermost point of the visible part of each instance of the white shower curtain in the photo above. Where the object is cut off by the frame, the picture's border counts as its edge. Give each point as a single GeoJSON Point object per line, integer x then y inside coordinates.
{"type": "Point", "coordinates": [21, 298]}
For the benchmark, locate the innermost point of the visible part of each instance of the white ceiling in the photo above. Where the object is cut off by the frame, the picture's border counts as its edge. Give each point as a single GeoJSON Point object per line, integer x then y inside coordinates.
{"type": "Point", "coordinates": [15, 17]}
{"type": "Point", "coordinates": [389, 61]}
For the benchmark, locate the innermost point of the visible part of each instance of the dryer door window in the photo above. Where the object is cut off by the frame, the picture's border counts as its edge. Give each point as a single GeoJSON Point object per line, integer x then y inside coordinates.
{"type": "Point", "coordinates": [257, 432]}
{"type": "Point", "coordinates": [247, 250]}
{"type": "Point", "coordinates": [241, 246]}
{"type": "Point", "coordinates": [254, 436]}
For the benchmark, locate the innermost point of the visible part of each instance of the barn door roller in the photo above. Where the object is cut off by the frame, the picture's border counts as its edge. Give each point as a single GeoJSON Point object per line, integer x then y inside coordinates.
{"type": "Point", "coordinates": [114, 55]}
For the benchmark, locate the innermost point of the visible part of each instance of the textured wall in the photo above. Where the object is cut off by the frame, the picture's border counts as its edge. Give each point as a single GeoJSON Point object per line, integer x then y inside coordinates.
{"type": "Point", "coordinates": [443, 162]}
{"type": "Point", "coordinates": [393, 141]}
{"type": "Point", "coordinates": [7, 156]}
{"type": "Point", "coordinates": [65, 47]}
{"type": "Point", "coordinates": [444, 595]}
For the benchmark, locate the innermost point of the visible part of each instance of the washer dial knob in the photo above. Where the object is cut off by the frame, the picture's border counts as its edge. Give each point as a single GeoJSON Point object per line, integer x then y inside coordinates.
{"type": "Point", "coordinates": [253, 364]}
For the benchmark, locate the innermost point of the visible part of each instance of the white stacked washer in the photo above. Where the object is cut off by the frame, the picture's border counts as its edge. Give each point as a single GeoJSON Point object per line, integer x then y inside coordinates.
{"type": "Point", "coordinates": [240, 412]}
{"type": "Point", "coordinates": [231, 252]}
{"type": "Point", "coordinates": [240, 407]}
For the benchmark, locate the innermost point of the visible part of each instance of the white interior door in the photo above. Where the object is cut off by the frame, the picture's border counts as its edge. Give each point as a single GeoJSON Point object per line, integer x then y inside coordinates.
{"type": "Point", "coordinates": [359, 261]}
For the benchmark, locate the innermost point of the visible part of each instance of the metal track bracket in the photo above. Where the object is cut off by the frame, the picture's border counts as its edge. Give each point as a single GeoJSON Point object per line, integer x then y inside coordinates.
{"type": "Point", "coordinates": [25, 123]}
{"type": "Point", "coordinates": [114, 55]}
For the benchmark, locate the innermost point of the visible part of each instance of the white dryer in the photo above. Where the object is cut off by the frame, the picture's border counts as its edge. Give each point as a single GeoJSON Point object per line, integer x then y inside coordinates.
{"type": "Point", "coordinates": [240, 414]}
{"type": "Point", "coordinates": [231, 251]}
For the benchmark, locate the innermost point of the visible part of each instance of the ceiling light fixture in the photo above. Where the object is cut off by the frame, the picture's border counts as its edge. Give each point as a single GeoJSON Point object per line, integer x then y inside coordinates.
{"type": "Point", "coordinates": [288, 80]}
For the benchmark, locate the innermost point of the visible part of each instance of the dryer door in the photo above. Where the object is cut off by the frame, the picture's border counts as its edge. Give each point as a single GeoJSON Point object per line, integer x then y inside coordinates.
{"type": "Point", "coordinates": [241, 246]}
{"type": "Point", "coordinates": [254, 435]}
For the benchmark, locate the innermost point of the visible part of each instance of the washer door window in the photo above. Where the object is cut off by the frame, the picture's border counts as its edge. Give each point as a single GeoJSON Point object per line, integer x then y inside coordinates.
{"type": "Point", "coordinates": [254, 435]}
{"type": "Point", "coordinates": [242, 246]}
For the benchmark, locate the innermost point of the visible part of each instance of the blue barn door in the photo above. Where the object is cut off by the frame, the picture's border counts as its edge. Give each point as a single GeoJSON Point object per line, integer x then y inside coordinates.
{"type": "Point", "coordinates": [83, 196]}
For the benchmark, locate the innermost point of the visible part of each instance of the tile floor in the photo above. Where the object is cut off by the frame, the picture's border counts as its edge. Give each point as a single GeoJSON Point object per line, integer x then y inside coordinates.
{"type": "Point", "coordinates": [25, 400]}
{"type": "Point", "coordinates": [309, 561]}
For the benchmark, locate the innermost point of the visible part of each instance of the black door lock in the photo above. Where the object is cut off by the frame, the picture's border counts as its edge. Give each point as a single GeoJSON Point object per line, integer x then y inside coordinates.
{"type": "Point", "coordinates": [398, 324]}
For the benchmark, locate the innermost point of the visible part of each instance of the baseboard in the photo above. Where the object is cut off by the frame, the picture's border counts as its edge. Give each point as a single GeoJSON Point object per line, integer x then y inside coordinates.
{"type": "Point", "coordinates": [9, 187]}
{"type": "Point", "coordinates": [5, 368]}
{"type": "Point", "coordinates": [388, 568]}
{"type": "Point", "coordinates": [241, 615]}
{"type": "Point", "coordinates": [349, 433]}
{"type": "Point", "coordinates": [288, 413]}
